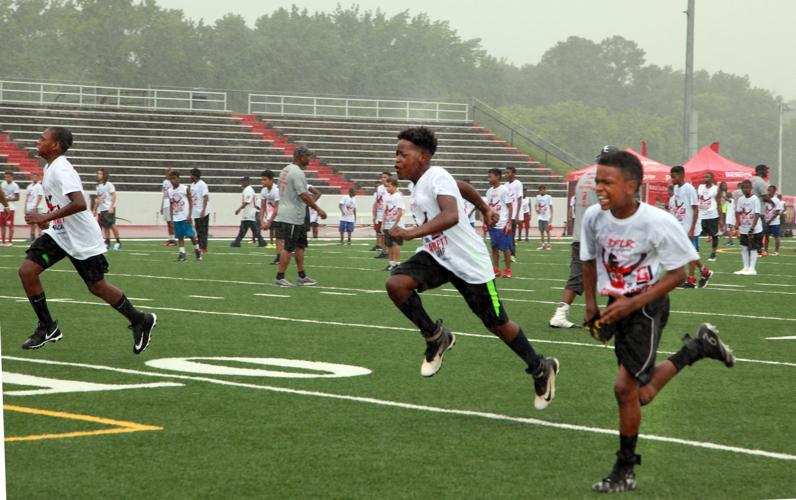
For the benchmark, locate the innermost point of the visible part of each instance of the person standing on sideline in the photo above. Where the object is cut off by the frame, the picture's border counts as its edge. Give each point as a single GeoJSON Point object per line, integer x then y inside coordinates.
{"type": "Point", "coordinates": [393, 212]}
{"type": "Point", "coordinates": [248, 219]}
{"type": "Point", "coordinates": [641, 252]}
{"type": "Point", "coordinates": [452, 252]}
{"type": "Point", "coordinates": [200, 197]}
{"type": "Point", "coordinates": [181, 209]}
{"type": "Point", "coordinates": [106, 209]}
{"type": "Point", "coordinates": [544, 210]}
{"type": "Point", "coordinates": [294, 199]}
{"type": "Point", "coordinates": [750, 227]}
{"type": "Point", "coordinates": [269, 200]}
{"type": "Point", "coordinates": [709, 202]}
{"type": "Point", "coordinates": [71, 232]}
{"type": "Point", "coordinates": [11, 191]}
{"type": "Point", "coordinates": [165, 208]}
{"type": "Point", "coordinates": [348, 214]}
{"type": "Point", "coordinates": [500, 199]}
{"type": "Point", "coordinates": [525, 216]}
{"type": "Point", "coordinates": [516, 190]}
{"type": "Point", "coordinates": [378, 214]}
{"type": "Point", "coordinates": [33, 196]}
{"type": "Point", "coordinates": [686, 211]}
{"type": "Point", "coordinates": [773, 212]}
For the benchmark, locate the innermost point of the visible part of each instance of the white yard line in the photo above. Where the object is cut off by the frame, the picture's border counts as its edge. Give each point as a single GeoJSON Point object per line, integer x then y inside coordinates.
{"type": "Point", "coordinates": [792, 337]}
{"type": "Point", "coordinates": [272, 295]}
{"type": "Point", "coordinates": [425, 408]}
{"type": "Point", "coordinates": [205, 297]}
{"type": "Point", "coordinates": [338, 293]}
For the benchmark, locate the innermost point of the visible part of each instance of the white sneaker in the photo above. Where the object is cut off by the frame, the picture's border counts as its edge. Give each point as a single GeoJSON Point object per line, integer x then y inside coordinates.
{"type": "Point", "coordinates": [117, 246]}
{"type": "Point", "coordinates": [750, 272]}
{"type": "Point", "coordinates": [559, 319]}
{"type": "Point", "coordinates": [742, 271]}
{"type": "Point", "coordinates": [436, 347]}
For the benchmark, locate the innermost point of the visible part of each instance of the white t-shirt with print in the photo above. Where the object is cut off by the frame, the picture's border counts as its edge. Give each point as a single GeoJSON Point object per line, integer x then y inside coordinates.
{"type": "Point", "coordinates": [10, 189]}
{"type": "Point", "coordinates": [32, 200]}
{"type": "Point", "coordinates": [526, 207]}
{"type": "Point", "coordinates": [105, 196]}
{"type": "Point", "coordinates": [499, 198]}
{"type": "Point", "coordinates": [165, 190]}
{"type": "Point", "coordinates": [393, 203]}
{"type": "Point", "coordinates": [348, 206]}
{"type": "Point", "coordinates": [729, 218]}
{"type": "Point", "coordinates": [632, 253]}
{"type": "Point", "coordinates": [683, 209]}
{"type": "Point", "coordinates": [378, 201]}
{"type": "Point", "coordinates": [78, 234]}
{"type": "Point", "coordinates": [178, 197]}
{"type": "Point", "coordinates": [543, 204]}
{"type": "Point", "coordinates": [515, 189]}
{"type": "Point", "coordinates": [247, 196]}
{"type": "Point", "coordinates": [771, 207]}
{"type": "Point", "coordinates": [459, 248]}
{"type": "Point", "coordinates": [269, 199]}
{"type": "Point", "coordinates": [470, 210]}
{"type": "Point", "coordinates": [198, 191]}
{"type": "Point", "coordinates": [745, 210]}
{"type": "Point", "coordinates": [708, 208]}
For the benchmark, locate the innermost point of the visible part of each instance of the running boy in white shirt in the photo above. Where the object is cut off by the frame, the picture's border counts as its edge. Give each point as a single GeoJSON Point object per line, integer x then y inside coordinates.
{"type": "Point", "coordinates": [685, 209]}
{"type": "Point", "coordinates": [773, 211]}
{"type": "Point", "coordinates": [750, 227]}
{"type": "Point", "coordinates": [33, 196]}
{"type": "Point", "coordinates": [452, 252]}
{"type": "Point", "coordinates": [393, 211]}
{"type": "Point", "coordinates": [106, 209]}
{"type": "Point", "coordinates": [71, 233]}
{"type": "Point", "coordinates": [500, 200]}
{"type": "Point", "coordinates": [348, 214]}
{"type": "Point", "coordinates": [11, 191]}
{"type": "Point", "coordinates": [181, 208]}
{"type": "Point", "coordinates": [626, 246]}
{"type": "Point", "coordinates": [544, 210]}
{"type": "Point", "coordinates": [269, 199]}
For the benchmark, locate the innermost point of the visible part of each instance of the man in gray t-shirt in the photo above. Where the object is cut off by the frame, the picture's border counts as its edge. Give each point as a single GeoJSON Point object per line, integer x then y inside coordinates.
{"type": "Point", "coordinates": [759, 183]}
{"type": "Point", "coordinates": [294, 199]}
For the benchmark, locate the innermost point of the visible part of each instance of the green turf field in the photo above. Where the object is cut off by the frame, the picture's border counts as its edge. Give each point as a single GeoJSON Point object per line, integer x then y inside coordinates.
{"type": "Point", "coordinates": [469, 432]}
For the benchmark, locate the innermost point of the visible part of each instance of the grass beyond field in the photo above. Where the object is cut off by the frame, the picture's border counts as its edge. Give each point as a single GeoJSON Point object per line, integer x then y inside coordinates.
{"type": "Point", "coordinates": [128, 429]}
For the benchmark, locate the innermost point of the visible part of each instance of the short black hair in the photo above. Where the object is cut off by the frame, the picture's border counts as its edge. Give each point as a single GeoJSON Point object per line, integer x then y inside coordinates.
{"type": "Point", "coordinates": [772, 186]}
{"type": "Point", "coordinates": [196, 173]}
{"type": "Point", "coordinates": [386, 173]}
{"type": "Point", "coordinates": [760, 169]}
{"type": "Point", "coordinates": [174, 173]}
{"type": "Point", "coordinates": [542, 186]}
{"type": "Point", "coordinates": [63, 137]}
{"type": "Point", "coordinates": [513, 170]}
{"type": "Point", "coordinates": [421, 137]}
{"type": "Point", "coordinates": [267, 173]}
{"type": "Point", "coordinates": [105, 175]}
{"type": "Point", "coordinates": [9, 172]}
{"type": "Point", "coordinates": [677, 169]}
{"type": "Point", "coordinates": [745, 182]}
{"type": "Point", "coordinates": [628, 163]}
{"type": "Point", "coordinates": [495, 171]}
{"type": "Point", "coordinates": [393, 181]}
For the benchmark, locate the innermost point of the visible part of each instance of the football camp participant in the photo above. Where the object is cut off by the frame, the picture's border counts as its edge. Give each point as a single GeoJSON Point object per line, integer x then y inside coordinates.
{"type": "Point", "coordinates": [773, 212]}
{"type": "Point", "coordinates": [71, 232]}
{"type": "Point", "coordinates": [516, 190]}
{"type": "Point", "coordinates": [500, 199]}
{"type": "Point", "coordinates": [165, 208]}
{"type": "Point", "coordinates": [200, 197]}
{"type": "Point", "coordinates": [452, 252]}
{"type": "Point", "coordinates": [348, 214]}
{"type": "Point", "coordinates": [544, 209]}
{"type": "Point", "coordinates": [269, 199]}
{"type": "Point", "coordinates": [469, 208]}
{"type": "Point", "coordinates": [248, 217]}
{"type": "Point", "coordinates": [378, 214]}
{"type": "Point", "coordinates": [686, 211]}
{"type": "Point", "coordinates": [709, 202]}
{"type": "Point", "coordinates": [750, 227]}
{"type": "Point", "coordinates": [11, 191]}
{"type": "Point", "coordinates": [393, 211]}
{"type": "Point", "coordinates": [634, 244]}
{"type": "Point", "coordinates": [525, 216]}
{"type": "Point", "coordinates": [106, 208]}
{"type": "Point", "coordinates": [294, 199]}
{"type": "Point", "coordinates": [33, 196]}
{"type": "Point", "coordinates": [181, 208]}
{"type": "Point", "coordinates": [584, 197]}
{"type": "Point", "coordinates": [312, 214]}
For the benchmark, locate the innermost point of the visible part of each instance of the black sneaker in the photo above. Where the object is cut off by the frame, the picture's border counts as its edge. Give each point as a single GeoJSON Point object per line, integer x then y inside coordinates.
{"type": "Point", "coordinates": [711, 345]}
{"type": "Point", "coordinates": [688, 284]}
{"type": "Point", "coordinates": [621, 479]}
{"type": "Point", "coordinates": [198, 254]}
{"type": "Point", "coordinates": [181, 257]}
{"type": "Point", "coordinates": [262, 244]}
{"type": "Point", "coordinates": [705, 277]}
{"type": "Point", "coordinates": [382, 255]}
{"type": "Point", "coordinates": [42, 335]}
{"type": "Point", "coordinates": [142, 332]}
{"type": "Point", "coordinates": [375, 248]}
{"type": "Point", "coordinates": [235, 244]}
{"type": "Point", "coordinates": [544, 383]}
{"type": "Point", "coordinates": [436, 347]}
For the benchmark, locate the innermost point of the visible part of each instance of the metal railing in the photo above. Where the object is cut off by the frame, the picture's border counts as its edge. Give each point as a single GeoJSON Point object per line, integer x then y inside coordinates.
{"type": "Point", "coordinates": [116, 97]}
{"type": "Point", "coordinates": [518, 136]}
{"type": "Point", "coordinates": [361, 108]}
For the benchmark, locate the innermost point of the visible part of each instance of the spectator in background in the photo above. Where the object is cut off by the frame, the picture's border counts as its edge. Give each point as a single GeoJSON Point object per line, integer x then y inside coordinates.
{"type": "Point", "coordinates": [11, 191]}
{"type": "Point", "coordinates": [200, 197]}
{"type": "Point", "coordinates": [33, 196]}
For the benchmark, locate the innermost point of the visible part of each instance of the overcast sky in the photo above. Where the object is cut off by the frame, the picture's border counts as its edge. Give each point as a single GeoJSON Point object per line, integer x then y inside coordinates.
{"type": "Point", "coordinates": [745, 37]}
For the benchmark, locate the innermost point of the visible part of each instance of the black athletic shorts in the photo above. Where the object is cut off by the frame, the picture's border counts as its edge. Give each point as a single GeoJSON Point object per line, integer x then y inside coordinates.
{"type": "Point", "coordinates": [710, 227]}
{"type": "Point", "coordinates": [45, 252]}
{"type": "Point", "coordinates": [575, 281]}
{"type": "Point", "coordinates": [292, 235]}
{"type": "Point", "coordinates": [107, 219]}
{"type": "Point", "coordinates": [754, 243]}
{"type": "Point", "coordinates": [482, 298]}
{"type": "Point", "coordinates": [275, 228]}
{"type": "Point", "coordinates": [637, 337]}
{"type": "Point", "coordinates": [390, 240]}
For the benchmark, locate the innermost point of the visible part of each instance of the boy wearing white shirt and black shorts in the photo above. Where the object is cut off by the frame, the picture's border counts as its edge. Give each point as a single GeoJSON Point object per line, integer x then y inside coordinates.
{"type": "Point", "coordinates": [626, 246]}
{"type": "Point", "coordinates": [200, 198]}
{"type": "Point", "coordinates": [33, 196]}
{"type": "Point", "coordinates": [106, 208]}
{"type": "Point", "coordinates": [772, 220]}
{"type": "Point", "coordinates": [393, 211]}
{"type": "Point", "coordinates": [165, 209]}
{"type": "Point", "coordinates": [748, 215]}
{"type": "Point", "coordinates": [709, 202]}
{"type": "Point", "coordinates": [71, 233]}
{"type": "Point", "coordinates": [11, 191]}
{"type": "Point", "coordinates": [453, 253]}
{"type": "Point", "coordinates": [269, 199]}
{"type": "Point", "coordinates": [685, 209]}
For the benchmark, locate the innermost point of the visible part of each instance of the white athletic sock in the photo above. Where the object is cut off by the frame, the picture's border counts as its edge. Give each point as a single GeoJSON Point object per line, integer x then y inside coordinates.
{"type": "Point", "coordinates": [752, 259]}
{"type": "Point", "coordinates": [196, 247]}
{"type": "Point", "coordinates": [182, 249]}
{"type": "Point", "coordinates": [745, 257]}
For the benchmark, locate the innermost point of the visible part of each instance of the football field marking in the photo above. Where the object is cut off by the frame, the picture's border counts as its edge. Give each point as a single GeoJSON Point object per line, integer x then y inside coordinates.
{"type": "Point", "coordinates": [426, 408]}
{"type": "Point", "coordinates": [792, 337]}
{"type": "Point", "coordinates": [210, 297]}
{"type": "Point", "coordinates": [272, 295]}
{"type": "Point", "coordinates": [339, 293]}
{"type": "Point", "coordinates": [117, 426]}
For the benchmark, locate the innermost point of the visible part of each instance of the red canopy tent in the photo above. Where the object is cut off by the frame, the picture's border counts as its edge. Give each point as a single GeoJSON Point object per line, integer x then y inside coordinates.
{"type": "Point", "coordinates": [708, 160]}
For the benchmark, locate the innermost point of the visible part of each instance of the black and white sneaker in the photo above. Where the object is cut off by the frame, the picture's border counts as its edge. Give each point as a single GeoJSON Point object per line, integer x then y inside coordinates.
{"type": "Point", "coordinates": [181, 257]}
{"type": "Point", "coordinates": [42, 335]}
{"type": "Point", "coordinates": [142, 332]}
{"type": "Point", "coordinates": [198, 254]}
{"type": "Point", "coordinates": [620, 479]}
{"type": "Point", "coordinates": [436, 346]}
{"type": "Point", "coordinates": [544, 383]}
{"type": "Point", "coordinates": [704, 278]}
{"type": "Point", "coordinates": [712, 346]}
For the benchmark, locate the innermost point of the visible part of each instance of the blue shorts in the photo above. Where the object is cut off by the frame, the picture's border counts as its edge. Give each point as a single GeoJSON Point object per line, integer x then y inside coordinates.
{"type": "Point", "coordinates": [695, 242]}
{"type": "Point", "coordinates": [499, 239]}
{"type": "Point", "coordinates": [346, 226]}
{"type": "Point", "coordinates": [183, 230]}
{"type": "Point", "coordinates": [773, 231]}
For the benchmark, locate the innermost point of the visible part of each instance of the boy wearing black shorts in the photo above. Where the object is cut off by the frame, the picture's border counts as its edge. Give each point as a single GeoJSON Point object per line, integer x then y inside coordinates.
{"type": "Point", "coordinates": [625, 247]}
{"type": "Point", "coordinates": [70, 232]}
{"type": "Point", "coordinates": [453, 253]}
